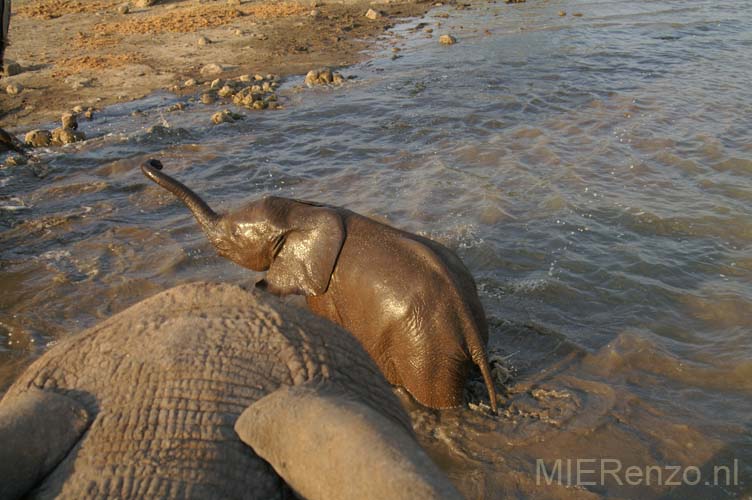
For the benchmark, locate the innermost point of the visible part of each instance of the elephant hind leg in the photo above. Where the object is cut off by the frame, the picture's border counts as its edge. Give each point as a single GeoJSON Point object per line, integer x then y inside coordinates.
{"type": "Point", "coordinates": [438, 385]}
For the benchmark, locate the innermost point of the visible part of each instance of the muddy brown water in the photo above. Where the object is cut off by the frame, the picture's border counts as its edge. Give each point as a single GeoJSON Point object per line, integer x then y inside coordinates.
{"type": "Point", "coordinates": [594, 172]}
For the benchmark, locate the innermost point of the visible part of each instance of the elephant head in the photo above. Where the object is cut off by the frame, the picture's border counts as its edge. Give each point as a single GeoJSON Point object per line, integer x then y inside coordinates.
{"type": "Point", "coordinates": [198, 392]}
{"type": "Point", "coordinates": [296, 242]}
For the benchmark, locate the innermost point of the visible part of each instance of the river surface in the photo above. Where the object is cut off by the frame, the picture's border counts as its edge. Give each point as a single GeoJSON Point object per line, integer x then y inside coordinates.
{"type": "Point", "coordinates": [594, 172]}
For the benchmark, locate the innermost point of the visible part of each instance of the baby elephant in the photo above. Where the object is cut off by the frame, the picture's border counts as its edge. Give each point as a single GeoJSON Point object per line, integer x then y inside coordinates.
{"type": "Point", "coordinates": [194, 393]}
{"type": "Point", "coordinates": [409, 300]}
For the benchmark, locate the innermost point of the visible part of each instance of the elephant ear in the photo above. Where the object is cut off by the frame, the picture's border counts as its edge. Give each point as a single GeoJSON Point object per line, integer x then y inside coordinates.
{"type": "Point", "coordinates": [37, 429]}
{"type": "Point", "coordinates": [312, 242]}
{"type": "Point", "coordinates": [328, 445]}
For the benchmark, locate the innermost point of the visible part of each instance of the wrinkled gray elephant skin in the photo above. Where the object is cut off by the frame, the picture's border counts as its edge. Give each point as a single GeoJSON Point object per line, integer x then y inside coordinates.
{"type": "Point", "coordinates": [409, 300]}
{"type": "Point", "coordinates": [209, 391]}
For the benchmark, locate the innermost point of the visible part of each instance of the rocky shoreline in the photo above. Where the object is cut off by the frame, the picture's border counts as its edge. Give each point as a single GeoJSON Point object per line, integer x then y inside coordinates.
{"type": "Point", "coordinates": [71, 55]}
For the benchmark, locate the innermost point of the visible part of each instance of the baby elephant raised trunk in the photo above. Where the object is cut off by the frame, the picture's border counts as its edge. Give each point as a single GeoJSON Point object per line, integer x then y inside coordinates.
{"type": "Point", "coordinates": [205, 216]}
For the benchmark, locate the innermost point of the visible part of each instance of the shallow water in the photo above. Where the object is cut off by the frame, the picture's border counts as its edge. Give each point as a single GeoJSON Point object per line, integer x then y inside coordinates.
{"type": "Point", "coordinates": [594, 172]}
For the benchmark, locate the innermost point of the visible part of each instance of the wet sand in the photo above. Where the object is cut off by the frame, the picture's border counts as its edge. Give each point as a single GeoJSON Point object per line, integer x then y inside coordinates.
{"type": "Point", "coordinates": [86, 53]}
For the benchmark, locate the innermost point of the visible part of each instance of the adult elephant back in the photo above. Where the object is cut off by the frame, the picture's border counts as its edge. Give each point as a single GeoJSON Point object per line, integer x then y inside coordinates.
{"type": "Point", "coordinates": [4, 24]}
{"type": "Point", "coordinates": [198, 392]}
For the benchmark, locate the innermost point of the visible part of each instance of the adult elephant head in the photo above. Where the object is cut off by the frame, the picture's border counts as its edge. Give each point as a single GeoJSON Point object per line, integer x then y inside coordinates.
{"type": "Point", "coordinates": [193, 393]}
{"type": "Point", "coordinates": [409, 300]}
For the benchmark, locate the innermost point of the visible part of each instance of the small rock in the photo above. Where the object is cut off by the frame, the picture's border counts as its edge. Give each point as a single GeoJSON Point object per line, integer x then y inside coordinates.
{"type": "Point", "coordinates": [14, 89]}
{"type": "Point", "coordinates": [69, 121]}
{"type": "Point", "coordinates": [562, 13]}
{"type": "Point", "coordinates": [515, 1]}
{"type": "Point", "coordinates": [226, 91]}
{"type": "Point", "coordinates": [16, 160]}
{"type": "Point", "coordinates": [191, 82]}
{"type": "Point", "coordinates": [124, 9]}
{"type": "Point", "coordinates": [12, 68]}
{"type": "Point", "coordinates": [244, 78]}
{"type": "Point", "coordinates": [208, 98]}
{"type": "Point", "coordinates": [225, 116]}
{"type": "Point", "coordinates": [61, 136]}
{"type": "Point", "coordinates": [78, 82]}
{"type": "Point", "coordinates": [211, 69]}
{"type": "Point", "coordinates": [326, 76]}
{"type": "Point", "coordinates": [78, 109]}
{"type": "Point", "coordinates": [238, 32]}
{"type": "Point", "coordinates": [312, 78]}
{"type": "Point", "coordinates": [577, 14]}
{"type": "Point", "coordinates": [38, 138]}
{"type": "Point", "coordinates": [178, 106]}
{"type": "Point", "coordinates": [428, 30]}
{"type": "Point", "coordinates": [315, 3]}
{"type": "Point", "coordinates": [144, 3]}
{"type": "Point", "coordinates": [373, 14]}
{"type": "Point", "coordinates": [89, 113]}
{"type": "Point", "coordinates": [447, 39]}
{"type": "Point", "coordinates": [233, 2]}
{"type": "Point", "coordinates": [215, 84]}
{"type": "Point", "coordinates": [258, 78]}
{"type": "Point", "coordinates": [202, 41]}
{"type": "Point", "coordinates": [315, 13]}
{"type": "Point", "coordinates": [158, 130]}
{"type": "Point", "coordinates": [338, 79]}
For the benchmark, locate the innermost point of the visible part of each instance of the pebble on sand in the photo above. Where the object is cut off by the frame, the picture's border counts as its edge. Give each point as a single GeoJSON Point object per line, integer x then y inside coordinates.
{"type": "Point", "coordinates": [38, 138]}
{"type": "Point", "coordinates": [323, 76]}
{"type": "Point", "coordinates": [225, 116]}
{"type": "Point", "coordinates": [191, 82]}
{"type": "Point", "coordinates": [144, 3]}
{"type": "Point", "coordinates": [14, 89]}
{"type": "Point", "coordinates": [226, 91]}
{"type": "Point", "coordinates": [211, 69]}
{"type": "Point", "coordinates": [124, 9]}
{"type": "Point", "coordinates": [61, 136]}
{"type": "Point", "coordinates": [70, 121]}
{"type": "Point", "coordinates": [12, 68]}
{"type": "Point", "coordinates": [373, 14]}
{"type": "Point", "coordinates": [202, 41]}
{"type": "Point", "coordinates": [447, 39]}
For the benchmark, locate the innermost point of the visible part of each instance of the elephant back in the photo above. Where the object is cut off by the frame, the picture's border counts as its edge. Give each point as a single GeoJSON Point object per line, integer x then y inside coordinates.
{"type": "Point", "coordinates": [167, 379]}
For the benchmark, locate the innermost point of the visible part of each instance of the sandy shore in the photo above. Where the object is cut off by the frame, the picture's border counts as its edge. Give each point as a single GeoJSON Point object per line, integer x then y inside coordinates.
{"type": "Point", "coordinates": [88, 53]}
